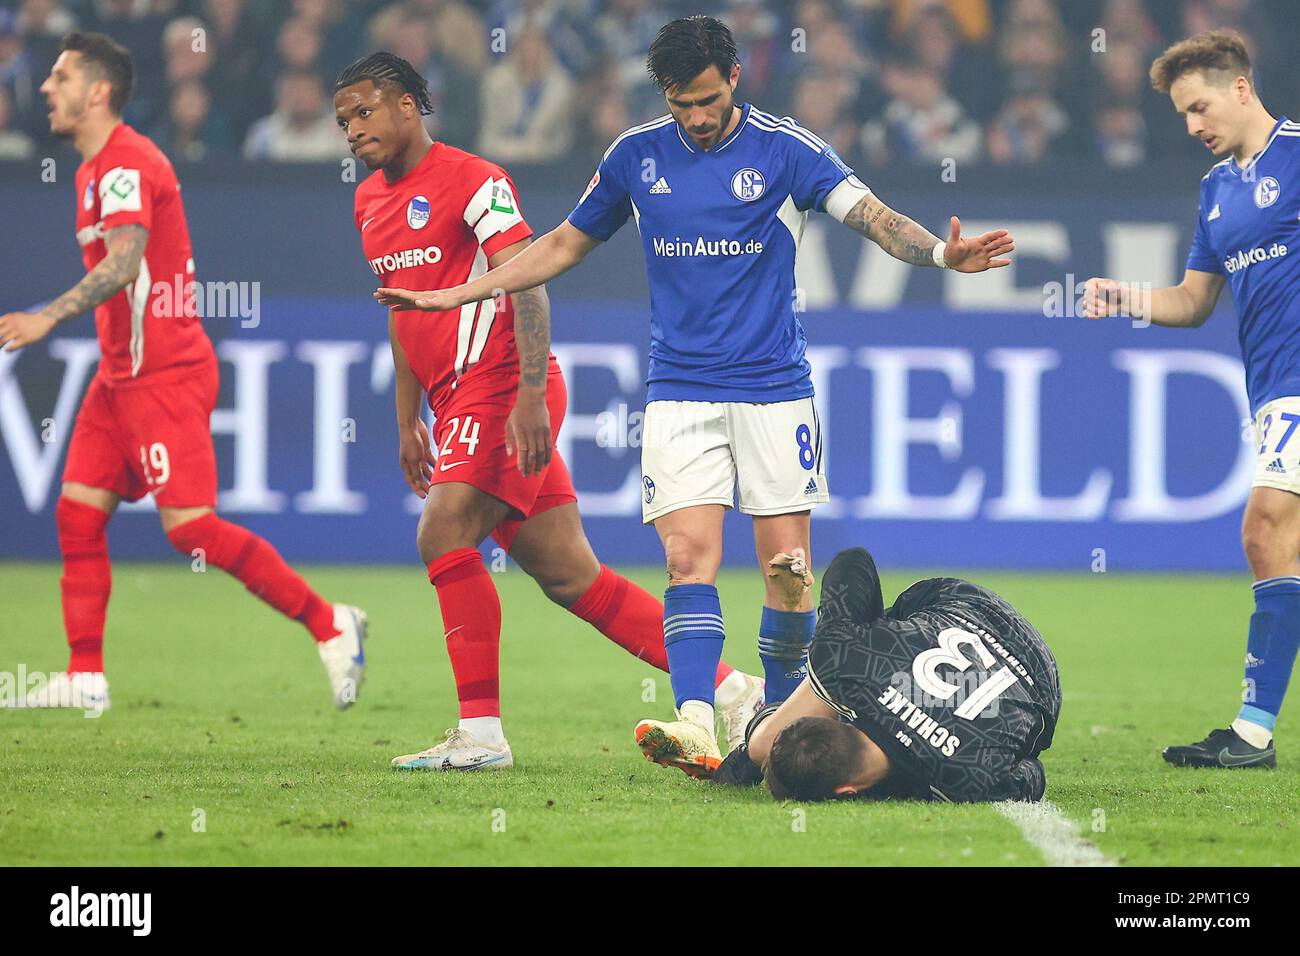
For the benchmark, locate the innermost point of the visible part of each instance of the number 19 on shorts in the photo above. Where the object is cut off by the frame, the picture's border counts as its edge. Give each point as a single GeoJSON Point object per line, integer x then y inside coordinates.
{"type": "Point", "coordinates": [155, 464]}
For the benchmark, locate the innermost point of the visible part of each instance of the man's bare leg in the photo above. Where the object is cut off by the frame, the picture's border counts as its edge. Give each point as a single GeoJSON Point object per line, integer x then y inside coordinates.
{"type": "Point", "coordinates": [782, 545]}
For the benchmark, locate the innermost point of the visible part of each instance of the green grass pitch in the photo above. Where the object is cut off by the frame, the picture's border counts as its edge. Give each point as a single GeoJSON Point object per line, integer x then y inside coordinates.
{"type": "Point", "coordinates": [222, 747]}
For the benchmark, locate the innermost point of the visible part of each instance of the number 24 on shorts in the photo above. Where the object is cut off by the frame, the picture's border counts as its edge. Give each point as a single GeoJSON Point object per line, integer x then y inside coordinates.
{"type": "Point", "coordinates": [468, 437]}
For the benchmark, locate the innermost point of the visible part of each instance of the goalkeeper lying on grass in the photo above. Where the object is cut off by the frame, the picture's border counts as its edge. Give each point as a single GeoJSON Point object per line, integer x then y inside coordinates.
{"type": "Point", "coordinates": [948, 695]}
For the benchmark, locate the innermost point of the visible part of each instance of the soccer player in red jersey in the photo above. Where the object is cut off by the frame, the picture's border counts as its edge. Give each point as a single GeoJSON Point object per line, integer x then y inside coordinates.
{"type": "Point", "coordinates": [144, 426]}
{"type": "Point", "coordinates": [434, 216]}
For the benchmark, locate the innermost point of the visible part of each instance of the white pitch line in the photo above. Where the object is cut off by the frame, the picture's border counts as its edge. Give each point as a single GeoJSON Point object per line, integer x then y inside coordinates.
{"type": "Point", "coordinates": [1053, 834]}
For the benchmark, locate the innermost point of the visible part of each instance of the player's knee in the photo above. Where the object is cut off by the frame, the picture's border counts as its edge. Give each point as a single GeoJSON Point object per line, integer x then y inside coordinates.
{"type": "Point", "coordinates": [685, 568]}
{"type": "Point", "coordinates": [689, 561]}
{"type": "Point", "coordinates": [1253, 539]}
{"type": "Point", "coordinates": [78, 494]}
{"type": "Point", "coordinates": [563, 590]}
{"type": "Point", "coordinates": [771, 554]}
{"type": "Point", "coordinates": [79, 524]}
{"type": "Point", "coordinates": [442, 536]}
{"type": "Point", "coordinates": [431, 544]}
{"type": "Point", "coordinates": [173, 518]}
{"type": "Point", "coordinates": [1261, 538]}
{"type": "Point", "coordinates": [190, 535]}
{"type": "Point", "coordinates": [564, 573]}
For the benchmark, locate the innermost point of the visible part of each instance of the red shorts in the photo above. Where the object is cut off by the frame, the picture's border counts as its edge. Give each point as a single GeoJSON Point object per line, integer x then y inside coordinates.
{"type": "Point", "coordinates": [141, 439]}
{"type": "Point", "coordinates": [470, 435]}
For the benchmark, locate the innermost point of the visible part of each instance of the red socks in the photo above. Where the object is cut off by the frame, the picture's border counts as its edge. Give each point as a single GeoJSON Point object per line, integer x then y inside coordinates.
{"type": "Point", "coordinates": [259, 567]}
{"type": "Point", "coordinates": [630, 617]}
{"type": "Point", "coordinates": [86, 582]}
{"type": "Point", "coordinates": [471, 618]}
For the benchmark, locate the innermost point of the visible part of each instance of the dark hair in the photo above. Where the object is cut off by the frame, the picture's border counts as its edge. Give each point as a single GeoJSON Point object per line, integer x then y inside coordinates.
{"type": "Point", "coordinates": [388, 69]}
{"type": "Point", "coordinates": [1217, 50]}
{"type": "Point", "coordinates": [108, 60]}
{"type": "Point", "coordinates": [687, 47]}
{"type": "Point", "coordinates": [813, 756]}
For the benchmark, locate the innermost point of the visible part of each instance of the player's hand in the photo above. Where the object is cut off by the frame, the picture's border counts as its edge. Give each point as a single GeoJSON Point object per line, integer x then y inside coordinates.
{"type": "Point", "coordinates": [416, 456]}
{"type": "Point", "coordinates": [978, 254]}
{"type": "Point", "coordinates": [438, 300]}
{"type": "Point", "coordinates": [1104, 297]}
{"type": "Point", "coordinates": [528, 431]}
{"type": "Point", "coordinates": [23, 328]}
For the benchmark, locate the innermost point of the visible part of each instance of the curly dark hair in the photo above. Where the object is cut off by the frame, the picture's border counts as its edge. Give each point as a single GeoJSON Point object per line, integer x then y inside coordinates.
{"type": "Point", "coordinates": [388, 69]}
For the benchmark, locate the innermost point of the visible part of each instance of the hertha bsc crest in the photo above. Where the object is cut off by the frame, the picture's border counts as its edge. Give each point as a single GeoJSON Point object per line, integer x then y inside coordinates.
{"type": "Point", "coordinates": [417, 212]}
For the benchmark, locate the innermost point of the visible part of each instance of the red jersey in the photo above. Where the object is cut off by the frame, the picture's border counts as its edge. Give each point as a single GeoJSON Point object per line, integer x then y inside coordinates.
{"type": "Point", "coordinates": [433, 229]}
{"type": "Point", "coordinates": [150, 330]}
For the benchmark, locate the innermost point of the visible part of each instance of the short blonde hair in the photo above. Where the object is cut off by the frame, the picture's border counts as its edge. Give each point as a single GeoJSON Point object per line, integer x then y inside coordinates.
{"type": "Point", "coordinates": [1215, 51]}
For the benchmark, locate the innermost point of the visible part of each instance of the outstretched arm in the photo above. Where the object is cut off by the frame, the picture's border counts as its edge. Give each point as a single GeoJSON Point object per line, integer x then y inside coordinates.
{"type": "Point", "coordinates": [125, 249]}
{"type": "Point", "coordinates": [1182, 306]}
{"type": "Point", "coordinates": [554, 254]}
{"type": "Point", "coordinates": [905, 240]}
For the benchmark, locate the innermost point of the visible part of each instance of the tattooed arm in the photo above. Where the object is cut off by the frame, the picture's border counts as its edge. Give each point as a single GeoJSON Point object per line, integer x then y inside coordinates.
{"type": "Point", "coordinates": [119, 267]}
{"type": "Point", "coordinates": [895, 233]}
{"type": "Point", "coordinates": [533, 335]}
{"type": "Point", "coordinates": [528, 429]}
{"type": "Point", "coordinates": [905, 240]}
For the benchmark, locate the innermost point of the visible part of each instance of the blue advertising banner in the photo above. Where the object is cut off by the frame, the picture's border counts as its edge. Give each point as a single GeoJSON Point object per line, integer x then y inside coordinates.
{"type": "Point", "coordinates": [969, 421]}
{"type": "Point", "coordinates": [970, 439]}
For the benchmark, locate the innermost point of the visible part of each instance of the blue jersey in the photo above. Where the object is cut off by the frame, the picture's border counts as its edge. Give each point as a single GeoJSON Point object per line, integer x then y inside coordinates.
{"type": "Point", "coordinates": [719, 230]}
{"type": "Point", "coordinates": [1248, 229]}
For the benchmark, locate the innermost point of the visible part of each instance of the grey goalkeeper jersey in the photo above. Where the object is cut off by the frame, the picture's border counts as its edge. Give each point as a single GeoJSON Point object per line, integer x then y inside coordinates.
{"type": "Point", "coordinates": [956, 687]}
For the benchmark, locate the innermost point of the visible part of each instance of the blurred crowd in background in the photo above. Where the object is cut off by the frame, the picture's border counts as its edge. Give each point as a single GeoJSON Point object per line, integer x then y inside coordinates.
{"type": "Point", "coordinates": [1004, 82]}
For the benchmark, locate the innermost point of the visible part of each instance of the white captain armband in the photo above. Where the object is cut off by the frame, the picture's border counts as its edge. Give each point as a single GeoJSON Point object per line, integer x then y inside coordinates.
{"type": "Point", "coordinates": [842, 199]}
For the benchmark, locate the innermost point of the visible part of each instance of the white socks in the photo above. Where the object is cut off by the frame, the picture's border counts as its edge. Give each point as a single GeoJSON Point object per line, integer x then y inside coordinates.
{"type": "Point", "coordinates": [1253, 734]}
{"type": "Point", "coordinates": [698, 713]}
{"type": "Point", "coordinates": [486, 730]}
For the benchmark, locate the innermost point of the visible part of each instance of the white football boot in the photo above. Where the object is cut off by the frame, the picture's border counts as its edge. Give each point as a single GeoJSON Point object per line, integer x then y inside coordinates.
{"type": "Point", "coordinates": [735, 717]}
{"type": "Point", "coordinates": [344, 655]}
{"type": "Point", "coordinates": [81, 690]}
{"type": "Point", "coordinates": [680, 743]}
{"type": "Point", "coordinates": [461, 750]}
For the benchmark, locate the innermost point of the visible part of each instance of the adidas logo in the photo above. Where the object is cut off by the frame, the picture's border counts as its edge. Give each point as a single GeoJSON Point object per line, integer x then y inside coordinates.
{"type": "Point", "coordinates": [811, 488]}
{"type": "Point", "coordinates": [1214, 213]}
{"type": "Point", "coordinates": [660, 187]}
{"type": "Point", "coordinates": [1252, 660]}
{"type": "Point", "coordinates": [1277, 467]}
